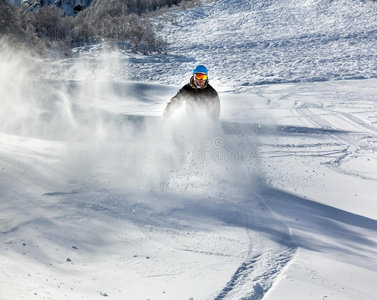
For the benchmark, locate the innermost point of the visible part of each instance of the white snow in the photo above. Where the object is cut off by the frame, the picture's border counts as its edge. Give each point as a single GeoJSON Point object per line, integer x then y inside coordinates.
{"type": "Point", "coordinates": [101, 198]}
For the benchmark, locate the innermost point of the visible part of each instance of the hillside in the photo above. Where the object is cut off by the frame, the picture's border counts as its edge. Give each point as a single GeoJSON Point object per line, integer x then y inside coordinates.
{"type": "Point", "coordinates": [262, 42]}
{"type": "Point", "coordinates": [99, 197]}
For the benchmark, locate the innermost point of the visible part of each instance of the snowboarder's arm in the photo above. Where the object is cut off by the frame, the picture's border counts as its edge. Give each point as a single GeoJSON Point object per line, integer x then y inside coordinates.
{"type": "Point", "coordinates": [175, 103]}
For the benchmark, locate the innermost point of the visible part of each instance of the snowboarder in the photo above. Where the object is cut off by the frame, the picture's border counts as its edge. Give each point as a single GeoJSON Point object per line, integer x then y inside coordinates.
{"type": "Point", "coordinates": [198, 97]}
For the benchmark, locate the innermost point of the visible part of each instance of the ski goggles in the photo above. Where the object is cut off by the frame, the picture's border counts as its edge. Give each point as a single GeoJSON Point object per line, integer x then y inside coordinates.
{"type": "Point", "coordinates": [200, 76]}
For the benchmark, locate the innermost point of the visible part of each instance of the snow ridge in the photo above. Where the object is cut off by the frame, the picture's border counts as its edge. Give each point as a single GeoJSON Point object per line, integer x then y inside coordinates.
{"type": "Point", "coordinates": [255, 276]}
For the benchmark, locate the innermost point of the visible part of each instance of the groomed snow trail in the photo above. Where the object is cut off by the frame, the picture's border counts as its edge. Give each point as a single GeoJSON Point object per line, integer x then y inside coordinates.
{"type": "Point", "coordinates": [265, 260]}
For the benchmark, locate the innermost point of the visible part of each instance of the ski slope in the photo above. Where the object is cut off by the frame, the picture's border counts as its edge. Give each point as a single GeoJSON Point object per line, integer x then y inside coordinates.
{"type": "Point", "coordinates": [101, 198]}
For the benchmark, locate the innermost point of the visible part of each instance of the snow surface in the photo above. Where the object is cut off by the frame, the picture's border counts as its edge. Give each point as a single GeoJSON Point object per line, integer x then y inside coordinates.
{"type": "Point", "coordinates": [101, 198]}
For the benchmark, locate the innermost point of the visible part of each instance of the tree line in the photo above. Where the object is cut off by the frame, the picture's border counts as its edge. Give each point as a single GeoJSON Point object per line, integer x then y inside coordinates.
{"type": "Point", "coordinates": [124, 22]}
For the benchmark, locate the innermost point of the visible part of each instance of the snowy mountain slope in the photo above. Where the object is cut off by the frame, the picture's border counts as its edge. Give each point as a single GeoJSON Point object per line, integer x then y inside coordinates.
{"type": "Point", "coordinates": [100, 198]}
{"type": "Point", "coordinates": [245, 43]}
{"type": "Point", "coordinates": [255, 42]}
{"type": "Point", "coordinates": [125, 210]}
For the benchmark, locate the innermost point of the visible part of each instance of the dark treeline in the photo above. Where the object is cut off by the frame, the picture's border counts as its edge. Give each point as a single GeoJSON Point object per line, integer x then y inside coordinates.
{"type": "Point", "coordinates": [125, 22]}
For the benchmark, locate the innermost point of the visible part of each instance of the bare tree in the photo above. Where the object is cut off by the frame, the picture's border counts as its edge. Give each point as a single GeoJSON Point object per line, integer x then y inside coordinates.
{"type": "Point", "coordinates": [125, 22]}
{"type": "Point", "coordinates": [46, 28]}
{"type": "Point", "coordinates": [8, 21]}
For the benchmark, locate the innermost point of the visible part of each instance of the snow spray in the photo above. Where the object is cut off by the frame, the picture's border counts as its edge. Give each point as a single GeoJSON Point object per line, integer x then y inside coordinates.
{"type": "Point", "coordinates": [93, 116]}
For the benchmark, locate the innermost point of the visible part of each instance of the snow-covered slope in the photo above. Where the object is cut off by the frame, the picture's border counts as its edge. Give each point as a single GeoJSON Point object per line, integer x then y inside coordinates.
{"type": "Point", "coordinates": [261, 42]}
{"type": "Point", "coordinates": [100, 198]}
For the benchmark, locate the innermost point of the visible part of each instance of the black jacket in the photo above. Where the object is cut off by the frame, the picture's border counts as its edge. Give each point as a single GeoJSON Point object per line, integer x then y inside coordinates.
{"type": "Point", "coordinates": [204, 99]}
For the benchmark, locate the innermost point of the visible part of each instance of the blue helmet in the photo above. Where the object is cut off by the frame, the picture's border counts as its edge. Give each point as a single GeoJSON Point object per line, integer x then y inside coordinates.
{"type": "Point", "coordinates": [200, 69]}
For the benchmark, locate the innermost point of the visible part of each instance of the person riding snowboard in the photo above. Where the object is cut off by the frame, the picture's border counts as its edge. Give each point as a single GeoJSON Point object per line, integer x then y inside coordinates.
{"type": "Point", "coordinates": [198, 96]}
